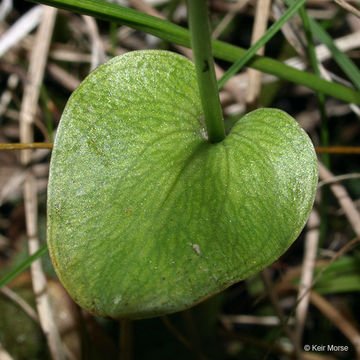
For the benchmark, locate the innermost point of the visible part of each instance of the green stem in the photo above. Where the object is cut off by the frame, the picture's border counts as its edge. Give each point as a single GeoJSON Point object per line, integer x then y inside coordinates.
{"type": "Point", "coordinates": [204, 64]}
{"type": "Point", "coordinates": [126, 332]}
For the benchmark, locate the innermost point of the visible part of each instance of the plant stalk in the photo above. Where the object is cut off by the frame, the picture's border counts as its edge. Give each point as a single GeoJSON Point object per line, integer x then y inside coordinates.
{"type": "Point", "coordinates": [126, 339]}
{"type": "Point", "coordinates": [23, 146]}
{"type": "Point", "coordinates": [204, 63]}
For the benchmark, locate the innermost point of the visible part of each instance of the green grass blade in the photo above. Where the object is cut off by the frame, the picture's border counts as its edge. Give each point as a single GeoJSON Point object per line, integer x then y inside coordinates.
{"type": "Point", "coordinates": [178, 35]}
{"type": "Point", "coordinates": [23, 266]}
{"type": "Point", "coordinates": [344, 62]}
{"type": "Point", "coordinates": [273, 29]}
{"type": "Point", "coordinates": [126, 16]}
{"type": "Point", "coordinates": [324, 130]}
{"type": "Point", "coordinates": [315, 66]}
{"type": "Point", "coordinates": [231, 53]}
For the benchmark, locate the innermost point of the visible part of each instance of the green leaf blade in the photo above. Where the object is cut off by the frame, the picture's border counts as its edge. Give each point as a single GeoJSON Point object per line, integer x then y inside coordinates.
{"type": "Point", "coordinates": [146, 217]}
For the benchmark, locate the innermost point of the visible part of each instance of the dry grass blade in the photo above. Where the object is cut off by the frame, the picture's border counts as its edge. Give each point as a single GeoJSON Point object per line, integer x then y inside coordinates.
{"type": "Point", "coordinates": [259, 29]}
{"type": "Point", "coordinates": [20, 29]}
{"type": "Point", "coordinates": [37, 64]}
{"type": "Point", "coordinates": [307, 272]}
{"type": "Point", "coordinates": [6, 96]}
{"type": "Point", "coordinates": [344, 43]}
{"type": "Point", "coordinates": [343, 198]}
{"type": "Point", "coordinates": [292, 34]}
{"type": "Point", "coordinates": [69, 55]}
{"type": "Point", "coordinates": [39, 282]}
{"type": "Point", "coordinates": [5, 8]}
{"type": "Point", "coordinates": [348, 7]}
{"type": "Point", "coordinates": [4, 355]}
{"type": "Point", "coordinates": [35, 75]}
{"type": "Point", "coordinates": [339, 178]}
{"type": "Point", "coordinates": [253, 320]}
{"type": "Point", "coordinates": [98, 56]}
{"type": "Point", "coordinates": [20, 302]}
{"type": "Point", "coordinates": [328, 76]}
{"type": "Point", "coordinates": [67, 80]}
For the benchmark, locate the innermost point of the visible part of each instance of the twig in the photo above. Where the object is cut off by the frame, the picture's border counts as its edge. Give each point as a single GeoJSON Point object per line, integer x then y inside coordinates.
{"type": "Point", "coordinates": [20, 302]}
{"type": "Point", "coordinates": [339, 178]}
{"type": "Point", "coordinates": [307, 271]}
{"type": "Point", "coordinates": [343, 198]}
{"type": "Point", "coordinates": [338, 150]}
{"type": "Point", "coordinates": [37, 63]}
{"type": "Point", "coordinates": [24, 146]}
{"type": "Point", "coordinates": [345, 5]}
{"type": "Point", "coordinates": [259, 29]}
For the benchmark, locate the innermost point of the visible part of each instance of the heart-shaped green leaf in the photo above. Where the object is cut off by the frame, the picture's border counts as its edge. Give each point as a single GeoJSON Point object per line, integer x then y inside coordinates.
{"type": "Point", "coordinates": [145, 216]}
